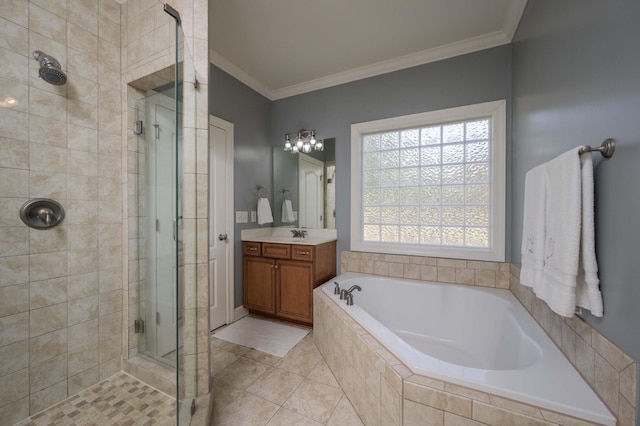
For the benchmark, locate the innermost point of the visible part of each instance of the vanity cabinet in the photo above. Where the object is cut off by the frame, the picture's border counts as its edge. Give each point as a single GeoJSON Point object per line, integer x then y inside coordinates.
{"type": "Point", "coordinates": [279, 278]}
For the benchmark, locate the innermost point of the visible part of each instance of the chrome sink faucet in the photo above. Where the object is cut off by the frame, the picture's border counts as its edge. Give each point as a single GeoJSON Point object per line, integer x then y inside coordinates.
{"type": "Point", "coordinates": [299, 233]}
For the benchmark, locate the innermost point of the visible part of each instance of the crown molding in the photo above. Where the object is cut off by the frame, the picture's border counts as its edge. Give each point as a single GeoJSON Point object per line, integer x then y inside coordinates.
{"type": "Point", "coordinates": [402, 62]}
{"type": "Point", "coordinates": [470, 45]}
{"type": "Point", "coordinates": [514, 14]}
{"type": "Point", "coordinates": [238, 73]}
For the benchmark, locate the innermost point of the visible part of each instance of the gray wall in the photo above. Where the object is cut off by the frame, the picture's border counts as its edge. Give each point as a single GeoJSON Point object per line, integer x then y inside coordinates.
{"type": "Point", "coordinates": [477, 77]}
{"type": "Point", "coordinates": [576, 74]}
{"type": "Point", "coordinates": [249, 112]}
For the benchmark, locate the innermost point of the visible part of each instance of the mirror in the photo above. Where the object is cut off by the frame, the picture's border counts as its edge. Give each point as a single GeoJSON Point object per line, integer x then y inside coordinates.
{"type": "Point", "coordinates": [308, 182]}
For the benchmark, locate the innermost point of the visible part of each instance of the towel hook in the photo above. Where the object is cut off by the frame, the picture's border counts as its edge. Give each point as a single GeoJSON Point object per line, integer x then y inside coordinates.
{"type": "Point", "coordinates": [607, 148]}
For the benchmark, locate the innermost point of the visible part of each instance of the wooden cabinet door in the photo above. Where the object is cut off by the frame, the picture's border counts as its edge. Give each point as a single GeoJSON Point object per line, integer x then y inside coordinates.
{"type": "Point", "coordinates": [259, 284]}
{"type": "Point", "coordinates": [294, 290]}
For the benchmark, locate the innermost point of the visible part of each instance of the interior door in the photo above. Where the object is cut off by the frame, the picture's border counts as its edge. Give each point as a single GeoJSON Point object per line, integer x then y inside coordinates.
{"type": "Point", "coordinates": [220, 222]}
{"type": "Point", "coordinates": [161, 190]}
{"type": "Point", "coordinates": [311, 192]}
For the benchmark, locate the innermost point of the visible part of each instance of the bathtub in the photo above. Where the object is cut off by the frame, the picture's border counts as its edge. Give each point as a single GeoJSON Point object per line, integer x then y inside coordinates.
{"type": "Point", "coordinates": [479, 338]}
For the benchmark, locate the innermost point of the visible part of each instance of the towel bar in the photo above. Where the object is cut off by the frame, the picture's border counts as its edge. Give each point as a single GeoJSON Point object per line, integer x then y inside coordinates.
{"type": "Point", "coordinates": [260, 188]}
{"type": "Point", "coordinates": [607, 148]}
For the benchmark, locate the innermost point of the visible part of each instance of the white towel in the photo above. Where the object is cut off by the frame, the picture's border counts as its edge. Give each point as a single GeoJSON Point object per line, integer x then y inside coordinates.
{"type": "Point", "coordinates": [563, 220]}
{"type": "Point", "coordinates": [287, 212]}
{"type": "Point", "coordinates": [587, 288]}
{"type": "Point", "coordinates": [533, 228]}
{"type": "Point", "coordinates": [264, 211]}
{"type": "Point", "coordinates": [570, 271]}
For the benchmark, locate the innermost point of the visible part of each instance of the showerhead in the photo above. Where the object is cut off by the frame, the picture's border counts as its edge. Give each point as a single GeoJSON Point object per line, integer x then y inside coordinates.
{"type": "Point", "coordinates": [50, 69]}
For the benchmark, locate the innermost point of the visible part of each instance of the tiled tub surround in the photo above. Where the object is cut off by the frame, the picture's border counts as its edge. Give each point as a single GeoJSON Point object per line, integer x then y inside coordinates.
{"type": "Point", "coordinates": [611, 373]}
{"type": "Point", "coordinates": [473, 337]}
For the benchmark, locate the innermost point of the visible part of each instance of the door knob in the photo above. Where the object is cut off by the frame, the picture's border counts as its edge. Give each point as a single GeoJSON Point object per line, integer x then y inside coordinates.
{"type": "Point", "coordinates": [222, 237]}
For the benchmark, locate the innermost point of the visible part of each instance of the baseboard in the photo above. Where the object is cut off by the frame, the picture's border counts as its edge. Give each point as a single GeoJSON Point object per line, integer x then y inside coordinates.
{"type": "Point", "coordinates": [240, 312]}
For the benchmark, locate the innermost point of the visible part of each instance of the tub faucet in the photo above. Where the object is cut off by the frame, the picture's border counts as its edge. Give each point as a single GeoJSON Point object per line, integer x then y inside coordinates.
{"type": "Point", "coordinates": [349, 296]}
{"type": "Point", "coordinates": [336, 290]}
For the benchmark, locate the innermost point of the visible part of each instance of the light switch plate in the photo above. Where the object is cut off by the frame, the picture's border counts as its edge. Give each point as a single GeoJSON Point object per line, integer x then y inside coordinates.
{"type": "Point", "coordinates": [253, 216]}
{"type": "Point", "coordinates": [242, 217]}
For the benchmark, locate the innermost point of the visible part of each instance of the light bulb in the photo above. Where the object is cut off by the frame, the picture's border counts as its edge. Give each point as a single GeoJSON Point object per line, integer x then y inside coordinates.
{"type": "Point", "coordinates": [313, 138]}
{"type": "Point", "coordinates": [295, 149]}
{"type": "Point", "coordinates": [319, 146]}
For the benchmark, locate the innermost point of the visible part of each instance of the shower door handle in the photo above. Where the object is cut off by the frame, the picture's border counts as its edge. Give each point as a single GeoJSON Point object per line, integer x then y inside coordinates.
{"type": "Point", "coordinates": [222, 237]}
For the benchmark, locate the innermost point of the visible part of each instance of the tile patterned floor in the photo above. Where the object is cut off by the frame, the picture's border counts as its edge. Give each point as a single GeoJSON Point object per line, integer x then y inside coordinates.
{"type": "Point", "coordinates": [118, 400]}
{"type": "Point", "coordinates": [250, 388]}
{"type": "Point", "coordinates": [254, 388]}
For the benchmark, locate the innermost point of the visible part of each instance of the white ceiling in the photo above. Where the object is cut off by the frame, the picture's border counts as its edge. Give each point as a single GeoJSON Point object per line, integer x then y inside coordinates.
{"type": "Point", "coordinates": [282, 48]}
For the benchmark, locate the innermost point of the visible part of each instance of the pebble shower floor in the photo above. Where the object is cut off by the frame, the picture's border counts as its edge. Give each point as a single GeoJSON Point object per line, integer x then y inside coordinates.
{"type": "Point", "coordinates": [118, 400]}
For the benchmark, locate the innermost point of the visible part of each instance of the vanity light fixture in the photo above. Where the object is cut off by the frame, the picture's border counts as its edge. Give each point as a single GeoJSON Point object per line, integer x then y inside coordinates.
{"type": "Point", "coordinates": [305, 141]}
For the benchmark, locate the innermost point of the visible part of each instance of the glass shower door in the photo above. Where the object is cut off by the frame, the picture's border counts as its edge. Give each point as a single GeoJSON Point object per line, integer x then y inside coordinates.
{"type": "Point", "coordinates": [158, 213]}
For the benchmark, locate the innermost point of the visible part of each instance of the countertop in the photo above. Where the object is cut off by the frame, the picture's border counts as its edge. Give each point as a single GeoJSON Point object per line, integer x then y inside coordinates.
{"type": "Point", "coordinates": [283, 235]}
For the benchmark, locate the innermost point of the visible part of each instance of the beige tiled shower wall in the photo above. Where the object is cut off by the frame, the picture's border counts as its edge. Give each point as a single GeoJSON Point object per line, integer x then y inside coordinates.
{"type": "Point", "coordinates": [60, 289]}
{"type": "Point", "coordinates": [608, 370]}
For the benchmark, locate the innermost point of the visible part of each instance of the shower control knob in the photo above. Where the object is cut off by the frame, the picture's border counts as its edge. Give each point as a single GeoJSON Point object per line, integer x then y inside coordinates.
{"type": "Point", "coordinates": [222, 237]}
{"type": "Point", "coordinates": [41, 213]}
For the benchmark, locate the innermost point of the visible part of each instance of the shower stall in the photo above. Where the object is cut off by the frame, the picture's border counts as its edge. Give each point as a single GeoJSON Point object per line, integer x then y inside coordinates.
{"type": "Point", "coordinates": [93, 251]}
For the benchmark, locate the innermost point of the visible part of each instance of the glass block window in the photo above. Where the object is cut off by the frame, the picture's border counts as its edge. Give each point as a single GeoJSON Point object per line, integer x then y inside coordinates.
{"type": "Point", "coordinates": [434, 186]}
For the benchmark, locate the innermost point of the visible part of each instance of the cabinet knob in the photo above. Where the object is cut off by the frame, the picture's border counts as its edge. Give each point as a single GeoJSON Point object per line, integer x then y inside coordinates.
{"type": "Point", "coordinates": [276, 266]}
{"type": "Point", "coordinates": [302, 253]}
{"type": "Point", "coordinates": [253, 249]}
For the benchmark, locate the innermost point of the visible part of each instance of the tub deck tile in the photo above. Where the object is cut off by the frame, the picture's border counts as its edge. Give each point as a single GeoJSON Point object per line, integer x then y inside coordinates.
{"type": "Point", "coordinates": [495, 416]}
{"type": "Point", "coordinates": [438, 399]}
